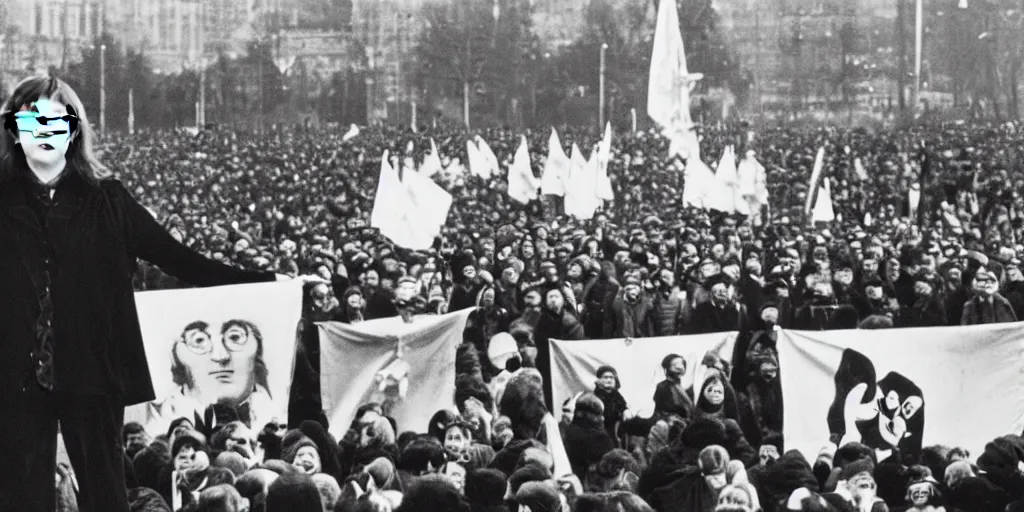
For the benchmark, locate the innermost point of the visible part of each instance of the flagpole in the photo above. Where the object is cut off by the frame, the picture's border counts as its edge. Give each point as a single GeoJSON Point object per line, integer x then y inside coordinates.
{"type": "Point", "coordinates": [600, 100]}
{"type": "Point", "coordinates": [918, 36]}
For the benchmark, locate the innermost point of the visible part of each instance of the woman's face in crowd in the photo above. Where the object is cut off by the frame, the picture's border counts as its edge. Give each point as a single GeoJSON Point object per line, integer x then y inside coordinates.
{"type": "Point", "coordinates": [487, 299]}
{"type": "Point", "coordinates": [734, 496]}
{"type": "Point", "coordinates": [354, 301]}
{"type": "Point", "coordinates": [308, 460]}
{"type": "Point", "coordinates": [456, 441]}
{"type": "Point", "coordinates": [555, 301]}
{"type": "Point", "coordinates": [714, 392]}
{"type": "Point", "coordinates": [844, 276]}
{"type": "Point", "coordinates": [607, 380]}
{"type": "Point", "coordinates": [185, 458]}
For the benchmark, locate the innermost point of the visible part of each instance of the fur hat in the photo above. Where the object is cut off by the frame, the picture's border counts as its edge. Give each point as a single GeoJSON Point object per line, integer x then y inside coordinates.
{"type": "Point", "coordinates": [718, 279]}
{"type": "Point", "coordinates": [603, 369]}
{"type": "Point", "coordinates": [1002, 453]}
{"type": "Point", "coordinates": [289, 453]}
{"type": "Point", "coordinates": [485, 489]}
{"type": "Point", "coordinates": [539, 497]}
{"type": "Point", "coordinates": [293, 492]}
{"type": "Point", "coordinates": [704, 431]}
{"type": "Point", "coordinates": [857, 467]}
{"type": "Point", "coordinates": [789, 473]}
{"type": "Point", "coordinates": [191, 438]}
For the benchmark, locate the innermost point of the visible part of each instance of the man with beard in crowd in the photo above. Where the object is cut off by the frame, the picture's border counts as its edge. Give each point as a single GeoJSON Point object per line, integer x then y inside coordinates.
{"type": "Point", "coordinates": [630, 315]}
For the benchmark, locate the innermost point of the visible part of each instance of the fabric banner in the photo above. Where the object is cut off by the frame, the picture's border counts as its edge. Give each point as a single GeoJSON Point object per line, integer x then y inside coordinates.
{"type": "Point", "coordinates": [574, 364]}
{"type": "Point", "coordinates": [232, 345]}
{"type": "Point", "coordinates": [905, 388]}
{"type": "Point", "coordinates": [408, 368]}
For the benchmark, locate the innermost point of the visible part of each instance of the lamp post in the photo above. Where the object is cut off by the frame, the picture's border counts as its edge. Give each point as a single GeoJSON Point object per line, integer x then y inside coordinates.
{"type": "Point", "coordinates": [103, 90]}
{"type": "Point", "coordinates": [600, 99]}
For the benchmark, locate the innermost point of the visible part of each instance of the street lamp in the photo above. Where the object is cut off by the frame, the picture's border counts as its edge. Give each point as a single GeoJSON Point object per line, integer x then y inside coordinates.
{"type": "Point", "coordinates": [103, 90]}
{"type": "Point", "coordinates": [600, 98]}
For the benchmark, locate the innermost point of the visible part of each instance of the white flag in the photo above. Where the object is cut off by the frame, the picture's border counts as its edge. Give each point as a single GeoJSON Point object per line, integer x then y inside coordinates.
{"type": "Point", "coordinates": [432, 162]}
{"type": "Point", "coordinates": [353, 131]}
{"type": "Point", "coordinates": [490, 160]}
{"type": "Point", "coordinates": [812, 186]}
{"type": "Point", "coordinates": [522, 185]}
{"type": "Point", "coordinates": [725, 189]}
{"type": "Point", "coordinates": [428, 208]}
{"type": "Point", "coordinates": [581, 193]}
{"type": "Point", "coordinates": [556, 168]}
{"type": "Point", "coordinates": [668, 90]}
{"type": "Point", "coordinates": [477, 165]}
{"type": "Point", "coordinates": [859, 167]}
{"type": "Point", "coordinates": [700, 180]}
{"type": "Point", "coordinates": [823, 211]}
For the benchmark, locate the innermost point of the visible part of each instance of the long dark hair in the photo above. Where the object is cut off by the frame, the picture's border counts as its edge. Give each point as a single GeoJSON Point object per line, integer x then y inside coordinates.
{"type": "Point", "coordinates": [81, 158]}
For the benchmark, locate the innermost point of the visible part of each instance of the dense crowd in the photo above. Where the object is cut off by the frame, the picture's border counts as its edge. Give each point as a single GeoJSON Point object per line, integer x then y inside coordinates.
{"type": "Point", "coordinates": [297, 201]}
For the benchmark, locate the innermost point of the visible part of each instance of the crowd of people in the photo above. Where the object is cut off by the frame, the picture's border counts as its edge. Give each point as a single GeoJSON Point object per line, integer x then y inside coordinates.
{"type": "Point", "coordinates": [298, 202]}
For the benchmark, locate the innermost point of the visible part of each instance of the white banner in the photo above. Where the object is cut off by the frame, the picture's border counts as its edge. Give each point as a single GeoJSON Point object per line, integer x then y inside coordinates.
{"type": "Point", "coordinates": [637, 361]}
{"type": "Point", "coordinates": [407, 368]}
{"type": "Point", "coordinates": [909, 388]}
{"type": "Point", "coordinates": [226, 344]}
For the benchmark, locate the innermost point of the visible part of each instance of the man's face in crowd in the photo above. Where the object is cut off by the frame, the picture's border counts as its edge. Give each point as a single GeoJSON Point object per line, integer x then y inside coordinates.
{"type": "Point", "coordinates": [892, 270]}
{"type": "Point", "coordinates": [1014, 274]}
{"type": "Point", "coordinates": [390, 265]}
{"type": "Point", "coordinates": [677, 367]}
{"type": "Point", "coordinates": [510, 275]}
{"type": "Point", "coordinates": [844, 276]}
{"type": "Point", "coordinates": [321, 297]}
{"type": "Point", "coordinates": [554, 300]}
{"type": "Point", "coordinates": [551, 275]}
{"type": "Point", "coordinates": [955, 276]}
{"type": "Point", "coordinates": [354, 301]}
{"type": "Point", "coordinates": [870, 266]}
{"type": "Point", "coordinates": [134, 443]}
{"type": "Point", "coordinates": [632, 292]}
{"type": "Point", "coordinates": [668, 279]}
{"type": "Point", "coordinates": [469, 272]}
{"type": "Point", "coordinates": [308, 460]}
{"type": "Point", "coordinates": [407, 290]}
{"type": "Point", "coordinates": [528, 251]}
{"type": "Point", "coordinates": [532, 299]}
{"type": "Point", "coordinates": [371, 278]}
{"type": "Point", "coordinates": [767, 454]}
{"type": "Point", "coordinates": [240, 437]}
{"type": "Point", "coordinates": [222, 365]}
{"type": "Point", "coordinates": [717, 251]}
{"type": "Point", "coordinates": [922, 289]}
{"type": "Point", "coordinates": [708, 269]}
{"type": "Point", "coordinates": [753, 267]}
{"type": "Point", "coordinates": [575, 271]}
{"type": "Point", "coordinates": [720, 292]}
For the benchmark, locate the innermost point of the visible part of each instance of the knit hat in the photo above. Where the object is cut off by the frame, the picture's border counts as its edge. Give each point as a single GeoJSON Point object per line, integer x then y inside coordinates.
{"type": "Point", "coordinates": [289, 453]}
{"type": "Point", "coordinates": [232, 462]}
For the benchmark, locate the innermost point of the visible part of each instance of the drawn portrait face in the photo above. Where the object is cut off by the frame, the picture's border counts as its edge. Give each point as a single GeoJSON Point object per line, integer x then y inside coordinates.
{"type": "Point", "coordinates": [219, 365]}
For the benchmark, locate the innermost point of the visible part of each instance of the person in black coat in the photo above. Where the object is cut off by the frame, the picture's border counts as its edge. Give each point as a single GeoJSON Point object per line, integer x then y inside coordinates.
{"type": "Point", "coordinates": [720, 314]}
{"type": "Point", "coordinates": [585, 438]}
{"type": "Point", "coordinates": [73, 349]}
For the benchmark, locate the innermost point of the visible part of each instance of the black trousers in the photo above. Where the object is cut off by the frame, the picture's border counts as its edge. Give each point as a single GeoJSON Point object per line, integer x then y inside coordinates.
{"type": "Point", "coordinates": [91, 426]}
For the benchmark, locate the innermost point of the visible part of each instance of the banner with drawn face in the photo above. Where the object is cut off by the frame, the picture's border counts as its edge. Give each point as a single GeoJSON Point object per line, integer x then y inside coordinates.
{"type": "Point", "coordinates": [900, 390]}
{"type": "Point", "coordinates": [219, 354]}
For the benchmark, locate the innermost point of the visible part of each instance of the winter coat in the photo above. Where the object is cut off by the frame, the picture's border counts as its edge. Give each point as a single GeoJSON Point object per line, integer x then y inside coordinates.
{"type": "Point", "coordinates": [93, 235]}
{"type": "Point", "coordinates": [628, 320]}
{"type": "Point", "coordinates": [974, 311]}
{"type": "Point", "coordinates": [585, 445]}
{"type": "Point", "coordinates": [708, 318]}
{"type": "Point", "coordinates": [667, 314]}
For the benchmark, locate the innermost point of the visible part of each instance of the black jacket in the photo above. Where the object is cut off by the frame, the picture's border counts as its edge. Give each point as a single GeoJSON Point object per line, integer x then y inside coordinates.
{"type": "Point", "coordinates": [94, 232]}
